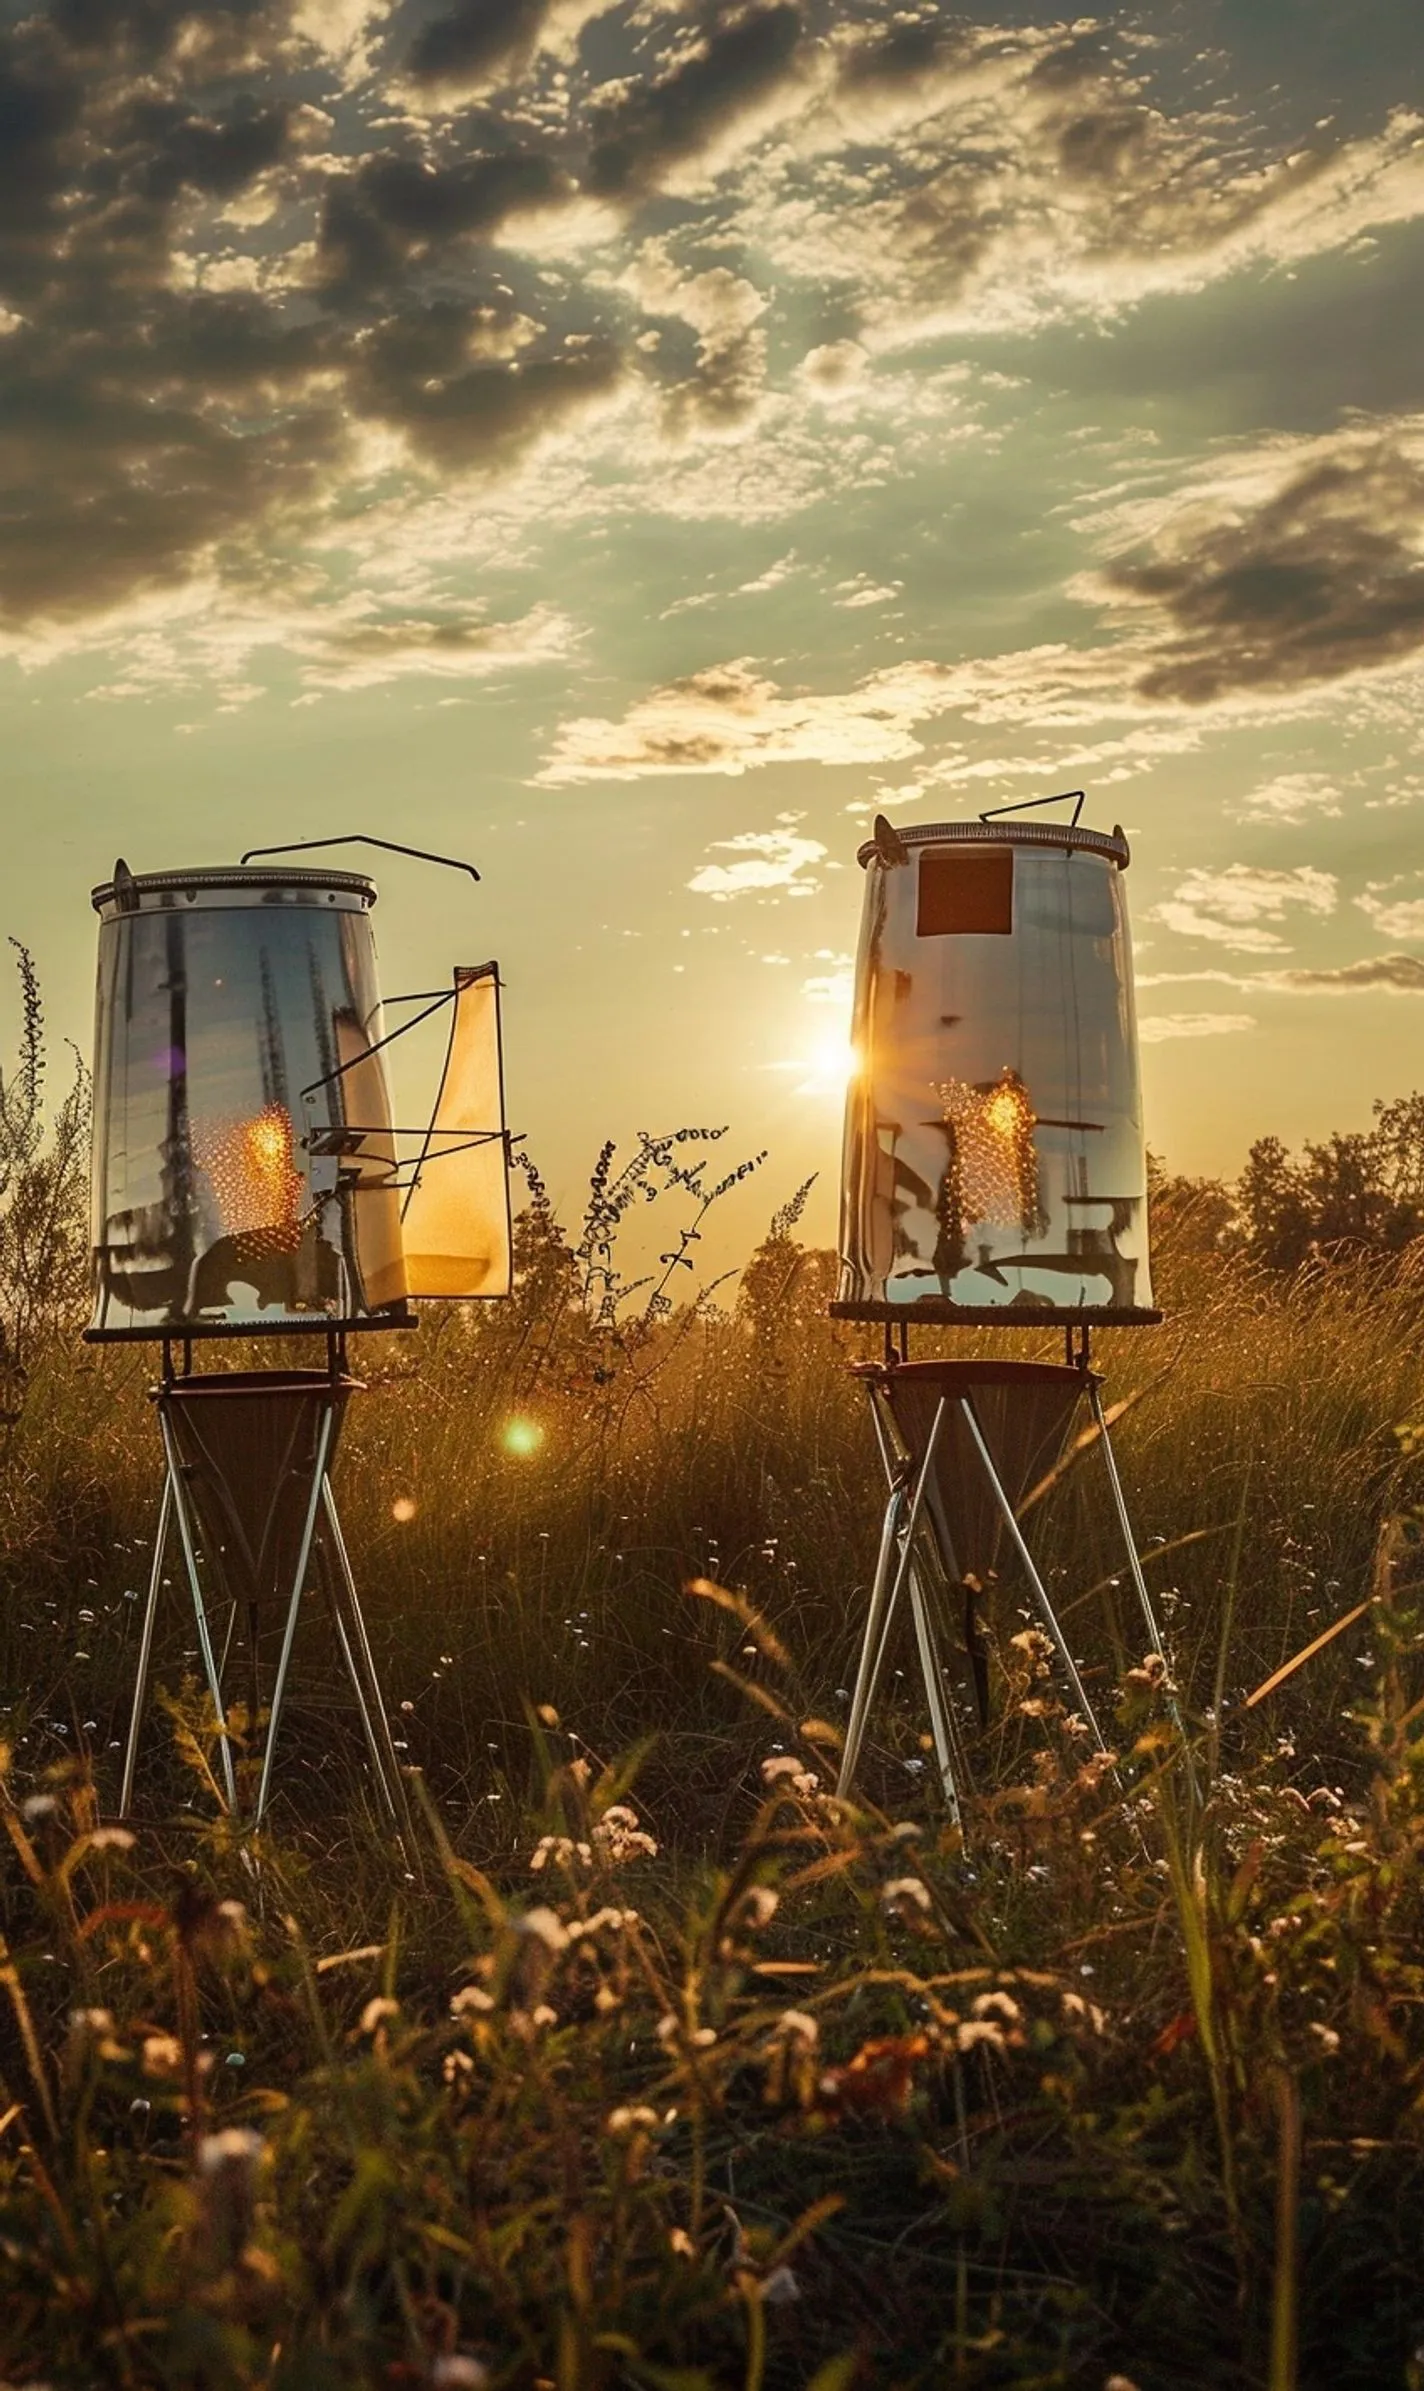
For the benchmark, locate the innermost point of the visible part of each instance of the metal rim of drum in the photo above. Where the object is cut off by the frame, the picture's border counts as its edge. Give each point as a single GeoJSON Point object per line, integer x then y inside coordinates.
{"type": "Point", "coordinates": [232, 876]}
{"type": "Point", "coordinates": [936, 1313]}
{"type": "Point", "coordinates": [1109, 843]}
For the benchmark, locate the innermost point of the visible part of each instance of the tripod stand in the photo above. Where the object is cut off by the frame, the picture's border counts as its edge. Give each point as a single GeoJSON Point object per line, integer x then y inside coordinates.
{"type": "Point", "coordinates": [247, 1488]}
{"type": "Point", "coordinates": [961, 1443]}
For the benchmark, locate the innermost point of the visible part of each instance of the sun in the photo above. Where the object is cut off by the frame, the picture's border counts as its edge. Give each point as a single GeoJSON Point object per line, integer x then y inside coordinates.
{"type": "Point", "coordinates": [829, 1064]}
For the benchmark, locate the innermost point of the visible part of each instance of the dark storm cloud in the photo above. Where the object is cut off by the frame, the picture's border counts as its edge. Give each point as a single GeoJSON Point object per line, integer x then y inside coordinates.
{"type": "Point", "coordinates": [659, 124]}
{"type": "Point", "coordinates": [464, 44]}
{"type": "Point", "coordinates": [151, 430]}
{"type": "Point", "coordinates": [415, 370]}
{"type": "Point", "coordinates": [395, 210]}
{"type": "Point", "coordinates": [173, 150]}
{"type": "Point", "coordinates": [1320, 579]}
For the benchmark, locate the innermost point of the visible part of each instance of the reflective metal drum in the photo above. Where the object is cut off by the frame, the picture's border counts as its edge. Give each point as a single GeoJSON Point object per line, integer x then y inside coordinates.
{"type": "Point", "coordinates": [244, 1161]}
{"type": "Point", "coordinates": [994, 1165]}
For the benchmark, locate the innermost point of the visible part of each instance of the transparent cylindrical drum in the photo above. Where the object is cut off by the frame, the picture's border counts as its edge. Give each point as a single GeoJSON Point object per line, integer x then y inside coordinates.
{"type": "Point", "coordinates": [244, 1173]}
{"type": "Point", "coordinates": [994, 1166]}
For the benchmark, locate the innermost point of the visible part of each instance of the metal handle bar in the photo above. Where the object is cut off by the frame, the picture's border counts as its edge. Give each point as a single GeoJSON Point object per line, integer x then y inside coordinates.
{"type": "Point", "coordinates": [361, 838]}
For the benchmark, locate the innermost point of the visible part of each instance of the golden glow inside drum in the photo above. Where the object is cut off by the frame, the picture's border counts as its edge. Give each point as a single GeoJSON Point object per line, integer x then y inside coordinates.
{"type": "Point", "coordinates": [244, 1163]}
{"type": "Point", "coordinates": [994, 1162]}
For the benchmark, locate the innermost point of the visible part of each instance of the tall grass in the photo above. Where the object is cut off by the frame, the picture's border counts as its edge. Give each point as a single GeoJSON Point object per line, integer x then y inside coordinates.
{"type": "Point", "coordinates": [808, 2093]}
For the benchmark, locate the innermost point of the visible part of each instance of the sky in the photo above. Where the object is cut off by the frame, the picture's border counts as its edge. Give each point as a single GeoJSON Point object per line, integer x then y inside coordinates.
{"type": "Point", "coordinates": [629, 446]}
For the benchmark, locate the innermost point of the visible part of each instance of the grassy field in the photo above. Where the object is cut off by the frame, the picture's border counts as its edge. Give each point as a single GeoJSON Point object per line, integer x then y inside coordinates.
{"type": "Point", "coordinates": [648, 2062]}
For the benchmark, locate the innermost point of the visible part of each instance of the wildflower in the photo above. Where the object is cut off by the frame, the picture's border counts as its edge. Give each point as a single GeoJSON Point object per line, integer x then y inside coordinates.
{"type": "Point", "coordinates": [630, 2121]}
{"type": "Point", "coordinates": [162, 2055]}
{"type": "Point", "coordinates": [996, 2004]}
{"type": "Point", "coordinates": [544, 1926]}
{"type": "Point", "coordinates": [91, 2021]}
{"type": "Point", "coordinates": [797, 2027]}
{"type": "Point", "coordinates": [455, 2372]}
{"type": "Point", "coordinates": [1327, 2038]}
{"type": "Point", "coordinates": [562, 1850]}
{"type": "Point", "coordinates": [680, 2243]}
{"type": "Point", "coordinates": [111, 1838]}
{"type": "Point", "coordinates": [236, 2150]}
{"type": "Point", "coordinates": [472, 1996]}
{"type": "Point", "coordinates": [375, 2014]}
{"type": "Point", "coordinates": [979, 2030]}
{"type": "Point", "coordinates": [617, 1837]}
{"type": "Point", "coordinates": [789, 1774]}
{"type": "Point", "coordinates": [759, 1906]}
{"type": "Point", "coordinates": [905, 1893]}
{"type": "Point", "coordinates": [38, 1807]}
{"type": "Point", "coordinates": [456, 2063]}
{"type": "Point", "coordinates": [878, 2081]}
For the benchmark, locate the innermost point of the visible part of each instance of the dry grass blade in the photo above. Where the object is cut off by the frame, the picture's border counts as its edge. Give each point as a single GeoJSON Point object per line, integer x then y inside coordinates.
{"type": "Point", "coordinates": [754, 1693]}
{"type": "Point", "coordinates": [767, 1641]}
{"type": "Point", "coordinates": [1308, 1651]}
{"type": "Point", "coordinates": [1082, 1443]}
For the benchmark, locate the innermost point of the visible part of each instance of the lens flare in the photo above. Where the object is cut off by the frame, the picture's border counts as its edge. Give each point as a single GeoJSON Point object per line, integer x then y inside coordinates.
{"type": "Point", "coordinates": [403, 1509]}
{"type": "Point", "coordinates": [521, 1437]}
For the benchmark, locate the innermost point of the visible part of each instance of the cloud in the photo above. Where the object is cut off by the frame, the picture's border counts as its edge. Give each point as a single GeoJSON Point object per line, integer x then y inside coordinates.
{"type": "Point", "coordinates": [1399, 975]}
{"type": "Point", "coordinates": [970, 178]}
{"type": "Point", "coordinates": [724, 389]}
{"type": "Point", "coordinates": [1290, 797]}
{"type": "Point", "coordinates": [464, 45]}
{"type": "Point", "coordinates": [729, 719]}
{"type": "Point", "coordinates": [1393, 917]}
{"type": "Point", "coordinates": [1394, 975]}
{"type": "Point", "coordinates": [1317, 577]}
{"type": "Point", "coordinates": [862, 590]}
{"type": "Point", "coordinates": [1159, 1026]}
{"type": "Point", "coordinates": [768, 860]}
{"type": "Point", "coordinates": [364, 655]}
{"type": "Point", "coordinates": [395, 210]}
{"type": "Point", "coordinates": [713, 94]}
{"type": "Point", "coordinates": [1231, 907]}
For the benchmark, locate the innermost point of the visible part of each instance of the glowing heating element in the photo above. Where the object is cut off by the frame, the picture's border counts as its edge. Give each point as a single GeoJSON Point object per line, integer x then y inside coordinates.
{"type": "Point", "coordinates": [249, 1169]}
{"type": "Point", "coordinates": [992, 1170]}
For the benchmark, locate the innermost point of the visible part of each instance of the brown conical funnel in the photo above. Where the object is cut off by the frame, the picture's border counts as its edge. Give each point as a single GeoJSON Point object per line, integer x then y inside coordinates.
{"type": "Point", "coordinates": [1024, 1411]}
{"type": "Point", "coordinates": [248, 1445]}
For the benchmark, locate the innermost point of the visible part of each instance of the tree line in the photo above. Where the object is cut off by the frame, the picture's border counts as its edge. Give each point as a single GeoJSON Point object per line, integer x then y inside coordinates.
{"type": "Point", "coordinates": [1353, 1195]}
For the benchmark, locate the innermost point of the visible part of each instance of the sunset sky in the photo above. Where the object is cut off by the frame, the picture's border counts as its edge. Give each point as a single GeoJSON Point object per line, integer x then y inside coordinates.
{"type": "Point", "coordinates": [631, 445]}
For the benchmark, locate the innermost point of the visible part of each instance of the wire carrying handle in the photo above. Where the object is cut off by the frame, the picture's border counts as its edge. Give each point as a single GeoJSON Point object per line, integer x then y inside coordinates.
{"type": "Point", "coordinates": [360, 838]}
{"type": "Point", "coordinates": [1024, 805]}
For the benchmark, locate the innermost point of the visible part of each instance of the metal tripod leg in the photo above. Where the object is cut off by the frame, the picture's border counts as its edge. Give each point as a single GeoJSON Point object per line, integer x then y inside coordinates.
{"type": "Point", "coordinates": [335, 1574]}
{"type": "Point", "coordinates": [896, 1546]}
{"type": "Point", "coordinates": [145, 1645]}
{"type": "Point", "coordinates": [380, 1742]}
{"type": "Point", "coordinates": [1135, 1565]}
{"type": "Point", "coordinates": [948, 1743]}
{"type": "Point", "coordinates": [1026, 1560]}
{"type": "Point", "coordinates": [943, 1727]}
{"type": "Point", "coordinates": [195, 1583]}
{"type": "Point", "coordinates": [279, 1687]}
